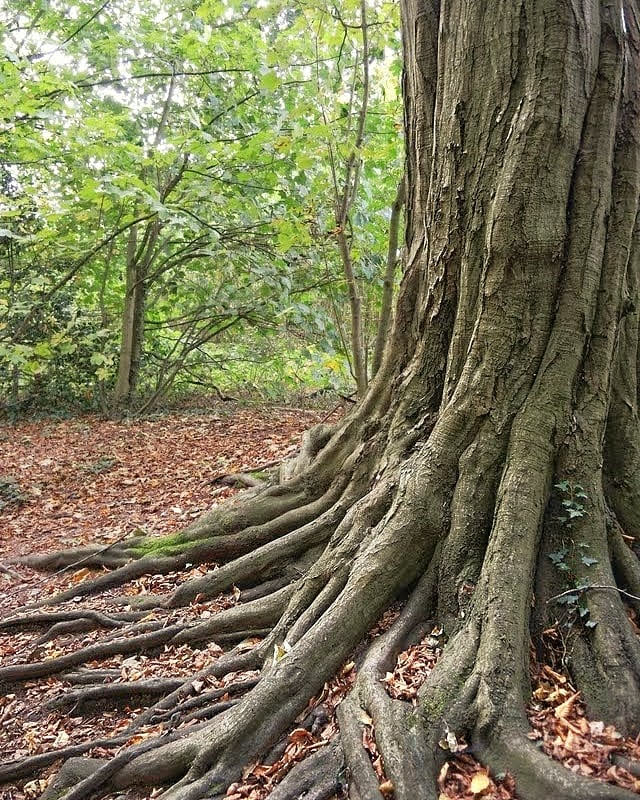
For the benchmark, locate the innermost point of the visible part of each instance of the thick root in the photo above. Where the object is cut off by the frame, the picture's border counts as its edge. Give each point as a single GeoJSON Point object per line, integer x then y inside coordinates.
{"type": "Point", "coordinates": [537, 776]}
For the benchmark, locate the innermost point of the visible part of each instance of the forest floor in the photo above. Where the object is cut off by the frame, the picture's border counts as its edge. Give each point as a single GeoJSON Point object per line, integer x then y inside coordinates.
{"type": "Point", "coordinates": [65, 483]}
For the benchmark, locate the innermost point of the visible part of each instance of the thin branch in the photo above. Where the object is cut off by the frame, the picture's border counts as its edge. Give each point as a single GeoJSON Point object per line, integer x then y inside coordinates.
{"type": "Point", "coordinates": [579, 589]}
{"type": "Point", "coordinates": [73, 34]}
{"type": "Point", "coordinates": [74, 270]}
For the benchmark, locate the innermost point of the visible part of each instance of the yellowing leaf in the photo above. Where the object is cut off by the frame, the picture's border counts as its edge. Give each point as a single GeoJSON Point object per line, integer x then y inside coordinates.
{"type": "Point", "coordinates": [480, 783]}
{"type": "Point", "coordinates": [363, 717]}
{"type": "Point", "coordinates": [80, 575]}
{"type": "Point", "coordinates": [565, 709]}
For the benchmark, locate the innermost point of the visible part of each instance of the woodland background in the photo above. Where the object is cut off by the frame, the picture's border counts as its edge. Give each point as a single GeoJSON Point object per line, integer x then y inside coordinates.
{"type": "Point", "coordinates": [194, 198]}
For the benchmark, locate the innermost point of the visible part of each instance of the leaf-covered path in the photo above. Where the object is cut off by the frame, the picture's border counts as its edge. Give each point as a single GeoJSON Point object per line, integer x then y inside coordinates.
{"type": "Point", "coordinates": [66, 483]}
{"type": "Point", "coordinates": [89, 479]}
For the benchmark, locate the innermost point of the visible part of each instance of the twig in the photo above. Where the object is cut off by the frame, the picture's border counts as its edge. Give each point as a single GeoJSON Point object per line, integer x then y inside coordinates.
{"type": "Point", "coordinates": [11, 573]}
{"type": "Point", "coordinates": [595, 586]}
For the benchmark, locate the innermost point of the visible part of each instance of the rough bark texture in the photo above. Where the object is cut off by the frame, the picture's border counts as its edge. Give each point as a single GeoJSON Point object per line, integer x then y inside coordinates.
{"type": "Point", "coordinates": [497, 442]}
{"type": "Point", "coordinates": [386, 306]}
{"type": "Point", "coordinates": [133, 315]}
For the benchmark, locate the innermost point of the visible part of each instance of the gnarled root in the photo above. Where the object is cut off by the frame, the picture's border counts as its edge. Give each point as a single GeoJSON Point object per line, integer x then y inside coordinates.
{"type": "Point", "coordinates": [383, 536]}
{"type": "Point", "coordinates": [476, 691]}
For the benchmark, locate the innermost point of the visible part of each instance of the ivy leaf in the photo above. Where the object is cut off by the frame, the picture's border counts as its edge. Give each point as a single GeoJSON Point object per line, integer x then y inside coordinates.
{"type": "Point", "coordinates": [558, 557]}
{"type": "Point", "coordinates": [567, 600]}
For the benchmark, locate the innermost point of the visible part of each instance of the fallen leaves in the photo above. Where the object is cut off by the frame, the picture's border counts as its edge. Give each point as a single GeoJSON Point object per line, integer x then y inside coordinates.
{"type": "Point", "coordinates": [259, 779]}
{"type": "Point", "coordinates": [80, 575]}
{"type": "Point", "coordinates": [89, 479]}
{"type": "Point", "coordinates": [463, 778]}
{"type": "Point", "coordinates": [558, 718]}
{"type": "Point", "coordinates": [413, 667]}
{"type": "Point", "coordinates": [108, 478]}
{"type": "Point", "coordinates": [480, 783]}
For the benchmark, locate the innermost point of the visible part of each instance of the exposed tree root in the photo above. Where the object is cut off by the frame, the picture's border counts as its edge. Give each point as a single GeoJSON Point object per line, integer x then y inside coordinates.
{"type": "Point", "coordinates": [114, 694]}
{"type": "Point", "coordinates": [99, 619]}
{"type": "Point", "coordinates": [135, 644]}
{"type": "Point", "coordinates": [537, 776]}
{"type": "Point", "coordinates": [318, 777]}
{"type": "Point", "coordinates": [310, 626]}
{"type": "Point", "coordinates": [362, 558]}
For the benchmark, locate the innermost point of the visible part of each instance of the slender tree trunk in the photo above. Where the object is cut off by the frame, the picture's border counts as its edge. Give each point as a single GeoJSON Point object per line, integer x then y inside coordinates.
{"type": "Point", "coordinates": [355, 306]}
{"type": "Point", "coordinates": [122, 389]}
{"type": "Point", "coordinates": [138, 261]}
{"type": "Point", "coordinates": [344, 200]}
{"type": "Point", "coordinates": [492, 467]}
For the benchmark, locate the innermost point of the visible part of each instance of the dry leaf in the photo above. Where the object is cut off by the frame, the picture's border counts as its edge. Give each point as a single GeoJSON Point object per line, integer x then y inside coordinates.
{"type": "Point", "coordinates": [61, 739]}
{"type": "Point", "coordinates": [564, 709]}
{"type": "Point", "coordinates": [80, 575]}
{"type": "Point", "coordinates": [480, 783]}
{"type": "Point", "coordinates": [364, 718]}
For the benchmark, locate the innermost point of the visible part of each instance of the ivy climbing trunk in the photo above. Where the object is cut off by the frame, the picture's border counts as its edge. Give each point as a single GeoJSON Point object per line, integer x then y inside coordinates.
{"type": "Point", "coordinates": [491, 466]}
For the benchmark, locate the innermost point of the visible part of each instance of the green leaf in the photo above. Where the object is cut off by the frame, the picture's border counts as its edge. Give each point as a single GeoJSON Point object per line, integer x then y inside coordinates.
{"type": "Point", "coordinates": [269, 81]}
{"type": "Point", "coordinates": [567, 599]}
{"type": "Point", "coordinates": [559, 556]}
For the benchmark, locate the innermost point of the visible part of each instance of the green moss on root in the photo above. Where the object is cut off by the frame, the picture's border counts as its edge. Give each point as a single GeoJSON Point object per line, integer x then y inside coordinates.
{"type": "Point", "coordinates": [170, 545]}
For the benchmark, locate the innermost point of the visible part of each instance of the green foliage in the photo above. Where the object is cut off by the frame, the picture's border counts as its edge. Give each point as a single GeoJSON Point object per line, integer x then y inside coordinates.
{"type": "Point", "coordinates": [573, 496]}
{"type": "Point", "coordinates": [572, 500]}
{"type": "Point", "coordinates": [213, 121]}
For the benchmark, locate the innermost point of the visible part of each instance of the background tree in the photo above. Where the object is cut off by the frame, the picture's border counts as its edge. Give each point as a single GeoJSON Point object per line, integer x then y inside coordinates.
{"type": "Point", "coordinates": [173, 176]}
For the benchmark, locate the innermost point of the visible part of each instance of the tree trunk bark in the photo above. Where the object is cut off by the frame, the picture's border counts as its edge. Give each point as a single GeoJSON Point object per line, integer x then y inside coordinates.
{"type": "Point", "coordinates": [123, 385]}
{"type": "Point", "coordinates": [386, 307]}
{"type": "Point", "coordinates": [139, 259]}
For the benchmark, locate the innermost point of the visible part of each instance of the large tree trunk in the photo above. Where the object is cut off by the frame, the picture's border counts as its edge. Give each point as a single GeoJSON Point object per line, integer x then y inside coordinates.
{"type": "Point", "coordinates": [508, 387]}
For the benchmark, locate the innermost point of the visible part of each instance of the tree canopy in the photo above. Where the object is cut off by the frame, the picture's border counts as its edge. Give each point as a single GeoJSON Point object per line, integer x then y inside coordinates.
{"type": "Point", "coordinates": [214, 141]}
